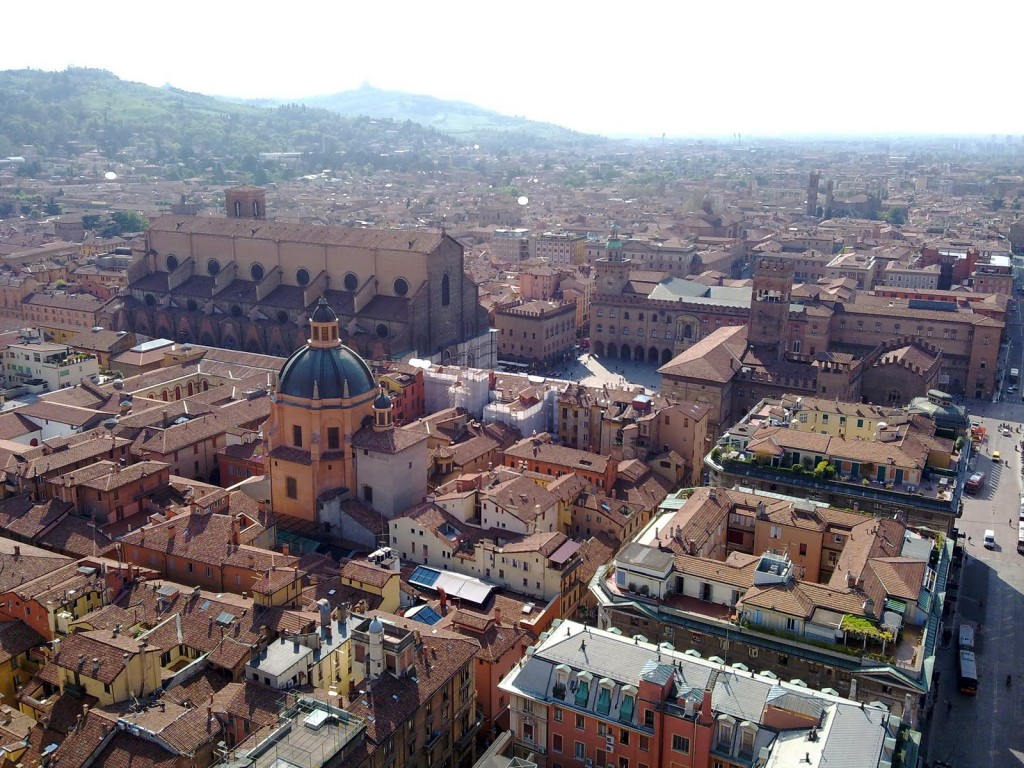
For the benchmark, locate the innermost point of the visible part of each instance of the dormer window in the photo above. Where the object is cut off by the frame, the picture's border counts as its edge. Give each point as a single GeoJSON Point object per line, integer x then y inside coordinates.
{"type": "Point", "coordinates": [583, 680]}
{"type": "Point", "coordinates": [748, 732]}
{"type": "Point", "coordinates": [604, 696]}
{"type": "Point", "coordinates": [726, 729]}
{"type": "Point", "coordinates": [628, 706]}
{"type": "Point", "coordinates": [561, 681]}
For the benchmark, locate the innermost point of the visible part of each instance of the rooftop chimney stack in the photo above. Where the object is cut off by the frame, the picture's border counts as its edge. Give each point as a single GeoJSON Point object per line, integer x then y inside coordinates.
{"type": "Point", "coordinates": [706, 716]}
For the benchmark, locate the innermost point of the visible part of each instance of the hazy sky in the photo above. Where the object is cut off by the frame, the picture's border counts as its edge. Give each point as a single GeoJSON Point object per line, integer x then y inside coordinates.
{"type": "Point", "coordinates": [678, 67]}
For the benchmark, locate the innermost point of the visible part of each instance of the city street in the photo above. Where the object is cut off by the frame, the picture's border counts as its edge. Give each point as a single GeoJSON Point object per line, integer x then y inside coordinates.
{"type": "Point", "coordinates": [986, 730]}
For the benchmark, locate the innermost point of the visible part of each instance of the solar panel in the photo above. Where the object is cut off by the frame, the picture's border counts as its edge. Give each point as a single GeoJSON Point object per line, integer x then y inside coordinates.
{"type": "Point", "coordinates": [225, 618]}
{"type": "Point", "coordinates": [425, 577]}
{"type": "Point", "coordinates": [426, 615]}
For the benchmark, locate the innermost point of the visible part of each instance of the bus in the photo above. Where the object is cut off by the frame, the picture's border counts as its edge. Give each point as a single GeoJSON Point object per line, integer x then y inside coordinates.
{"type": "Point", "coordinates": [966, 637]}
{"type": "Point", "coordinates": [504, 366]}
{"type": "Point", "coordinates": [968, 673]}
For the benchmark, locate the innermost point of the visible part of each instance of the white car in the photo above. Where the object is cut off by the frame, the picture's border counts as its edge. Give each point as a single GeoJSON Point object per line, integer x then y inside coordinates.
{"type": "Point", "coordinates": [990, 539]}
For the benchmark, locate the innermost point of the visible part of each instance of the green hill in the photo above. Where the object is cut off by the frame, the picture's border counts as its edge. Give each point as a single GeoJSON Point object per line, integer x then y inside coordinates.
{"type": "Point", "coordinates": [466, 122]}
{"type": "Point", "coordinates": [65, 113]}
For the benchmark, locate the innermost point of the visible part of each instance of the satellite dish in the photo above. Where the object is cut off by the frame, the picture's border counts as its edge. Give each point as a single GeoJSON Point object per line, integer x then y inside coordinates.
{"type": "Point", "coordinates": [109, 175]}
{"type": "Point", "coordinates": [523, 200]}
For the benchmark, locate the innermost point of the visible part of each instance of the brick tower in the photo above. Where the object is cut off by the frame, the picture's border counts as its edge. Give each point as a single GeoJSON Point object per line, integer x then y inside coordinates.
{"type": "Point", "coordinates": [246, 202]}
{"type": "Point", "coordinates": [612, 271]}
{"type": "Point", "coordinates": [768, 330]}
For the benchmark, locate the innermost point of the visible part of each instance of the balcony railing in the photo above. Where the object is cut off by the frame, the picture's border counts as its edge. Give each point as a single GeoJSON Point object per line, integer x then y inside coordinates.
{"type": "Point", "coordinates": [432, 739]}
{"type": "Point", "coordinates": [854, 490]}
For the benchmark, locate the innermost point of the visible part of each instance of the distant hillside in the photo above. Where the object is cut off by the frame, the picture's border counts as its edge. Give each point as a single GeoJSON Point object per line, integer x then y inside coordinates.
{"type": "Point", "coordinates": [466, 122]}
{"type": "Point", "coordinates": [80, 109]}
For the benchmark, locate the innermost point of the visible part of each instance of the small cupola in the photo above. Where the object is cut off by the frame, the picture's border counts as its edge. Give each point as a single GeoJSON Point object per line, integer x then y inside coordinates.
{"type": "Point", "coordinates": [323, 326]}
{"type": "Point", "coordinates": [382, 412]}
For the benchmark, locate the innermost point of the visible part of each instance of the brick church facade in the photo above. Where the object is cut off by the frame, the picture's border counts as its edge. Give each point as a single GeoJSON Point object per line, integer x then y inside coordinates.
{"type": "Point", "coordinates": [243, 282]}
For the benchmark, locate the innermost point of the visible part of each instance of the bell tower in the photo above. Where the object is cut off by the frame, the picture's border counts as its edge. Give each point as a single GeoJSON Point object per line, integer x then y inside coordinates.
{"type": "Point", "coordinates": [246, 202]}
{"type": "Point", "coordinates": [612, 271]}
{"type": "Point", "coordinates": [768, 328]}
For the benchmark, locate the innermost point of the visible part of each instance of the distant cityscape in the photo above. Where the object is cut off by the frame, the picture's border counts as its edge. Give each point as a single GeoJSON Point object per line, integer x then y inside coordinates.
{"type": "Point", "coordinates": [567, 455]}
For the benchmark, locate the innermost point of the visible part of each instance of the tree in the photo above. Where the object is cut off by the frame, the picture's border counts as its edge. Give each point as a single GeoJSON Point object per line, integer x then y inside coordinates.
{"type": "Point", "coordinates": [129, 221]}
{"type": "Point", "coordinates": [120, 223]}
{"type": "Point", "coordinates": [997, 204]}
{"type": "Point", "coordinates": [91, 221]}
{"type": "Point", "coordinates": [895, 216]}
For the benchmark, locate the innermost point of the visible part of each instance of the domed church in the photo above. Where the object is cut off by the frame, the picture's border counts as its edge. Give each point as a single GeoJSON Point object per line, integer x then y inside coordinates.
{"type": "Point", "coordinates": [330, 436]}
{"type": "Point", "coordinates": [324, 393]}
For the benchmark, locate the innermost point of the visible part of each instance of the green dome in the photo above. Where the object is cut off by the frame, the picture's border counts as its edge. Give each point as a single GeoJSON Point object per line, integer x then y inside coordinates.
{"type": "Point", "coordinates": [323, 313]}
{"type": "Point", "coordinates": [329, 369]}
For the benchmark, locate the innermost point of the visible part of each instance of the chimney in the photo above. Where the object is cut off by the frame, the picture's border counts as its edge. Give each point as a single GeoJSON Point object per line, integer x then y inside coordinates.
{"type": "Point", "coordinates": [706, 717]}
{"type": "Point", "coordinates": [17, 551]}
{"type": "Point", "coordinates": [497, 616]}
{"type": "Point", "coordinates": [444, 599]}
{"type": "Point", "coordinates": [164, 416]}
{"type": "Point", "coordinates": [851, 580]}
{"type": "Point", "coordinates": [170, 529]}
{"type": "Point", "coordinates": [286, 550]}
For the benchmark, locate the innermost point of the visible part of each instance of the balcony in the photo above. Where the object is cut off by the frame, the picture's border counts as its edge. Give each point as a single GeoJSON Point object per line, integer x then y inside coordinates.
{"type": "Point", "coordinates": [929, 495]}
{"type": "Point", "coordinates": [432, 738]}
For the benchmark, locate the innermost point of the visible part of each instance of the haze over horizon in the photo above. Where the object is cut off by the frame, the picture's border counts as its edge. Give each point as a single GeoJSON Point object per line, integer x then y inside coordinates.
{"type": "Point", "coordinates": [681, 70]}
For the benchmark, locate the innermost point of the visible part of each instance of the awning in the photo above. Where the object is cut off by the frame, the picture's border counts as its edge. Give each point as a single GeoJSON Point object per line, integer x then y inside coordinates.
{"type": "Point", "coordinates": [897, 606]}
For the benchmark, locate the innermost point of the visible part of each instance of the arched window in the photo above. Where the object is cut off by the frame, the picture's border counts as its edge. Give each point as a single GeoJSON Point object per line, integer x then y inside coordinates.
{"type": "Point", "coordinates": [238, 209]}
{"type": "Point", "coordinates": [625, 315]}
{"type": "Point", "coordinates": [446, 291]}
{"type": "Point", "coordinates": [256, 208]}
{"type": "Point", "coordinates": [796, 346]}
{"type": "Point", "coordinates": [163, 395]}
{"type": "Point", "coordinates": [190, 390]}
{"type": "Point", "coordinates": [687, 332]}
{"type": "Point", "coordinates": [206, 385]}
{"type": "Point", "coordinates": [177, 393]}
